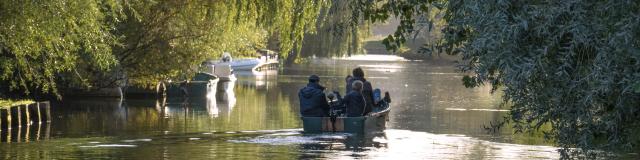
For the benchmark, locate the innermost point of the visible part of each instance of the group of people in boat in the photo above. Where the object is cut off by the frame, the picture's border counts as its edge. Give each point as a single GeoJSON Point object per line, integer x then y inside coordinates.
{"type": "Point", "coordinates": [360, 98]}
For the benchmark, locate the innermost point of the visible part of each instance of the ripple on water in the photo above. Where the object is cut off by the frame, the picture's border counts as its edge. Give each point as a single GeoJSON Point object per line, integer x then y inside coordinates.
{"type": "Point", "coordinates": [402, 144]}
{"type": "Point", "coordinates": [476, 109]}
{"type": "Point", "coordinates": [291, 137]}
{"type": "Point", "coordinates": [373, 57]}
{"type": "Point", "coordinates": [137, 140]}
{"type": "Point", "coordinates": [110, 146]}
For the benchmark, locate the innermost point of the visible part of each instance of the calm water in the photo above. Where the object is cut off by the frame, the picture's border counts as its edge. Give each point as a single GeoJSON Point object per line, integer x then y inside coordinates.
{"type": "Point", "coordinates": [433, 117]}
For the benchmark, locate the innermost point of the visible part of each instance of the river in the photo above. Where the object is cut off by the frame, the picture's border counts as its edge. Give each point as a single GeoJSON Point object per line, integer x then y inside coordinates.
{"type": "Point", "coordinates": [433, 116]}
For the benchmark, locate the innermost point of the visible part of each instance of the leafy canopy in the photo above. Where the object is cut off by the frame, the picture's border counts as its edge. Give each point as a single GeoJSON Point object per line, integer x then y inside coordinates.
{"type": "Point", "coordinates": [49, 46]}
{"type": "Point", "coordinates": [572, 64]}
{"type": "Point", "coordinates": [40, 39]}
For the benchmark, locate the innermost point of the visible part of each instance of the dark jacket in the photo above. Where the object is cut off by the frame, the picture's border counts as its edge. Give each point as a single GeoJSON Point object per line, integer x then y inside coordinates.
{"type": "Point", "coordinates": [355, 104]}
{"type": "Point", "coordinates": [367, 91]}
{"type": "Point", "coordinates": [313, 101]}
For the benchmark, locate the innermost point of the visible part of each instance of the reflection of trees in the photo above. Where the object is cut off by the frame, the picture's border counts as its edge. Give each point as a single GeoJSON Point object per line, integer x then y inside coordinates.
{"type": "Point", "coordinates": [102, 116]}
{"type": "Point", "coordinates": [26, 133]}
{"type": "Point", "coordinates": [432, 87]}
{"type": "Point", "coordinates": [216, 149]}
{"type": "Point", "coordinates": [246, 108]}
{"type": "Point", "coordinates": [262, 109]}
{"type": "Point", "coordinates": [258, 79]}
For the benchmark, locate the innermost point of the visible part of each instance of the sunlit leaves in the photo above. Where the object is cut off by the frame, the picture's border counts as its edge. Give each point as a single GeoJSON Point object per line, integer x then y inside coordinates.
{"type": "Point", "coordinates": [572, 64]}
{"type": "Point", "coordinates": [110, 43]}
{"type": "Point", "coordinates": [182, 34]}
{"type": "Point", "coordinates": [337, 35]}
{"type": "Point", "coordinates": [40, 39]}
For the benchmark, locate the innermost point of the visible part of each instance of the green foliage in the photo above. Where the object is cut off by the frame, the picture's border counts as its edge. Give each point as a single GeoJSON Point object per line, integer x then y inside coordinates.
{"type": "Point", "coordinates": [405, 11]}
{"type": "Point", "coordinates": [40, 39]}
{"type": "Point", "coordinates": [336, 33]}
{"type": "Point", "coordinates": [45, 46]}
{"type": "Point", "coordinates": [572, 64]}
{"type": "Point", "coordinates": [6, 103]}
{"type": "Point", "coordinates": [560, 63]}
{"type": "Point", "coordinates": [166, 39]}
{"type": "Point", "coordinates": [182, 34]}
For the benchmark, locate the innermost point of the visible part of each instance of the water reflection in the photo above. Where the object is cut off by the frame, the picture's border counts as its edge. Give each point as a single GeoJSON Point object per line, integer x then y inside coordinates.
{"type": "Point", "coordinates": [226, 100]}
{"type": "Point", "coordinates": [28, 133]}
{"type": "Point", "coordinates": [217, 112]}
{"type": "Point", "coordinates": [212, 106]}
{"type": "Point", "coordinates": [433, 117]}
{"type": "Point", "coordinates": [401, 144]}
{"type": "Point", "coordinates": [259, 79]}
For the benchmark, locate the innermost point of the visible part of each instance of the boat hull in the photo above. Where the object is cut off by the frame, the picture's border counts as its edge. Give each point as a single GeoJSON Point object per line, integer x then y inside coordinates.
{"type": "Point", "coordinates": [365, 124]}
{"type": "Point", "coordinates": [245, 64]}
{"type": "Point", "coordinates": [200, 86]}
{"type": "Point", "coordinates": [226, 84]}
{"type": "Point", "coordinates": [192, 89]}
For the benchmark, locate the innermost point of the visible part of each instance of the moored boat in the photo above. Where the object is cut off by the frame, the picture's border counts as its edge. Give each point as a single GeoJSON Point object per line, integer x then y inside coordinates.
{"type": "Point", "coordinates": [246, 64]}
{"type": "Point", "coordinates": [200, 86]}
{"type": "Point", "coordinates": [221, 69]}
{"type": "Point", "coordinates": [266, 58]}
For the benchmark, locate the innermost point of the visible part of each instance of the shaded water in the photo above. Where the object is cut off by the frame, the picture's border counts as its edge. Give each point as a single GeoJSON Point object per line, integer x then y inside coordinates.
{"type": "Point", "coordinates": [433, 117]}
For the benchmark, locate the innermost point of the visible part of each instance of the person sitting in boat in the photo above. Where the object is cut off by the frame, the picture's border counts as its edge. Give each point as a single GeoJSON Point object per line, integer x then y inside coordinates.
{"type": "Point", "coordinates": [367, 89]}
{"type": "Point", "coordinates": [313, 101]}
{"type": "Point", "coordinates": [354, 100]}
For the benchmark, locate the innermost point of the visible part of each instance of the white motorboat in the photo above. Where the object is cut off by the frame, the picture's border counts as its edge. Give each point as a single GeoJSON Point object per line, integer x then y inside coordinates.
{"type": "Point", "coordinates": [221, 69]}
{"type": "Point", "coordinates": [246, 64]}
{"type": "Point", "coordinates": [267, 58]}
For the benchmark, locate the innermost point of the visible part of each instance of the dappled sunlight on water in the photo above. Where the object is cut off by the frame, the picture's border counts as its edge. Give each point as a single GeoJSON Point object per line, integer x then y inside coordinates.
{"type": "Point", "coordinates": [402, 144]}
{"type": "Point", "coordinates": [287, 143]}
{"type": "Point", "coordinates": [433, 116]}
{"type": "Point", "coordinates": [373, 57]}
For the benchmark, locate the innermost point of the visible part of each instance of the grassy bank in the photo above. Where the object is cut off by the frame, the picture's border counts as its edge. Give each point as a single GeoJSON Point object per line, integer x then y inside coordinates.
{"type": "Point", "coordinates": [5, 103]}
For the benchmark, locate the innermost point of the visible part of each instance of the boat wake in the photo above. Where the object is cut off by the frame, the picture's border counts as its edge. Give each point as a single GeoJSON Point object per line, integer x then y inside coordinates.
{"type": "Point", "coordinates": [292, 137]}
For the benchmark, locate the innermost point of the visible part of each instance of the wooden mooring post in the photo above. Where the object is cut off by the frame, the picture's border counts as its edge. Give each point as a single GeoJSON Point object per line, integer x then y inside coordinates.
{"type": "Point", "coordinates": [22, 119]}
{"type": "Point", "coordinates": [48, 110]}
{"type": "Point", "coordinates": [25, 115]}
{"type": "Point", "coordinates": [27, 112]}
{"type": "Point", "coordinates": [0, 121]}
{"type": "Point", "coordinates": [39, 115]}
{"type": "Point", "coordinates": [9, 118]}
{"type": "Point", "coordinates": [18, 117]}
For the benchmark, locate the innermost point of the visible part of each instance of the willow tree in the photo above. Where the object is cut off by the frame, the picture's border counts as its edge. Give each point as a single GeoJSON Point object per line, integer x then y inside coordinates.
{"type": "Point", "coordinates": [289, 21]}
{"type": "Point", "coordinates": [339, 32]}
{"type": "Point", "coordinates": [167, 39]}
{"type": "Point", "coordinates": [574, 65]}
{"type": "Point", "coordinates": [41, 39]}
{"type": "Point", "coordinates": [107, 43]}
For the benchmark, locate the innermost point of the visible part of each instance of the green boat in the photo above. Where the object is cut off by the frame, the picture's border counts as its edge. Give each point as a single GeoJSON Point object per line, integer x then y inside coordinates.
{"type": "Point", "coordinates": [201, 85]}
{"type": "Point", "coordinates": [375, 121]}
